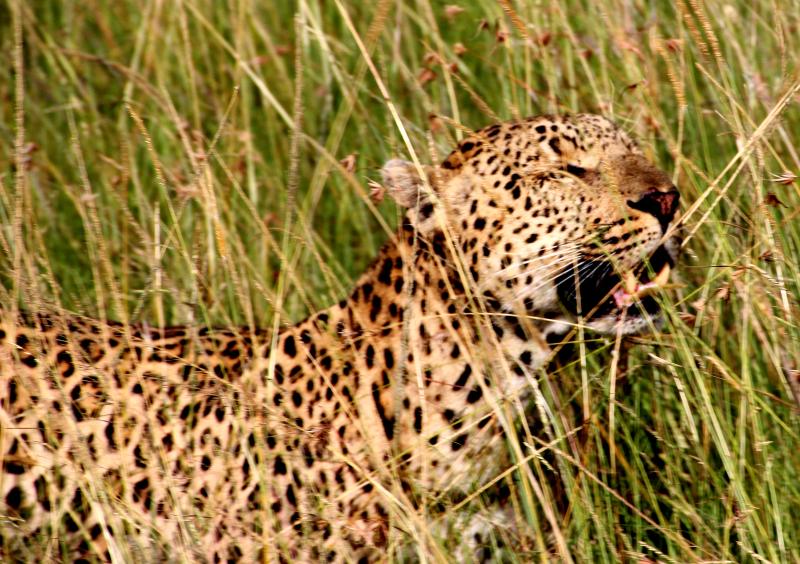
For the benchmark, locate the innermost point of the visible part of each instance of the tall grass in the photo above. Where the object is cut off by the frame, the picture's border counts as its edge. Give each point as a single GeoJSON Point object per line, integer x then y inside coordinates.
{"type": "Point", "coordinates": [186, 162]}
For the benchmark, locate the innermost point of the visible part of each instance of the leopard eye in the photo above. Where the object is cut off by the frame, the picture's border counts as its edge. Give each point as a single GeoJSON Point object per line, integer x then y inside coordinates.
{"type": "Point", "coordinates": [576, 170]}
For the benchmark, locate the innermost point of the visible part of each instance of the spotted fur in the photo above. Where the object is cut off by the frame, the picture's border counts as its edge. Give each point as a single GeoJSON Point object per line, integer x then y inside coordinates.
{"type": "Point", "coordinates": [317, 443]}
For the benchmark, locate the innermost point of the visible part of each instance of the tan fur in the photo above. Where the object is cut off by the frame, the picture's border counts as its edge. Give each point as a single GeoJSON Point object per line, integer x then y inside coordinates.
{"type": "Point", "coordinates": [209, 445]}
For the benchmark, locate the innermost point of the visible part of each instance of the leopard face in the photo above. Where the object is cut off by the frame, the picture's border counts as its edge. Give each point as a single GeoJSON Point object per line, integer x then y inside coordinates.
{"type": "Point", "coordinates": [558, 217]}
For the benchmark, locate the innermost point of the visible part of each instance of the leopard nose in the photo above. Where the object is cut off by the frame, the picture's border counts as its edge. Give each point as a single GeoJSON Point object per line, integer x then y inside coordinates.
{"type": "Point", "coordinates": [661, 205]}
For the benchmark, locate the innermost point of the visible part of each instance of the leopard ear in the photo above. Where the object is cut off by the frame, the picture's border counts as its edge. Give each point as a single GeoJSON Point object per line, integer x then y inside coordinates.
{"type": "Point", "coordinates": [403, 182]}
{"type": "Point", "coordinates": [406, 187]}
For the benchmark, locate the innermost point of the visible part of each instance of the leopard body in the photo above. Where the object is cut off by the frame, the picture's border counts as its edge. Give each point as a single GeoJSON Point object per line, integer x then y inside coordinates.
{"type": "Point", "coordinates": [317, 443]}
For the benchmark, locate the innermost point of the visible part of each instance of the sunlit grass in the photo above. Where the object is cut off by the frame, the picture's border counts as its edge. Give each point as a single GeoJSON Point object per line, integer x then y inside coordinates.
{"type": "Point", "coordinates": [184, 162]}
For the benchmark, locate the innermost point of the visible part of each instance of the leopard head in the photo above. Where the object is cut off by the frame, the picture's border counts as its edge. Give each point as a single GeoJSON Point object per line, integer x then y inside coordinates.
{"type": "Point", "coordinates": [554, 217]}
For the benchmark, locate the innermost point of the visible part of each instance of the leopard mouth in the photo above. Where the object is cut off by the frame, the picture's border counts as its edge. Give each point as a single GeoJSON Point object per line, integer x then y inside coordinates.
{"type": "Point", "coordinates": [634, 289]}
{"type": "Point", "coordinates": [594, 288]}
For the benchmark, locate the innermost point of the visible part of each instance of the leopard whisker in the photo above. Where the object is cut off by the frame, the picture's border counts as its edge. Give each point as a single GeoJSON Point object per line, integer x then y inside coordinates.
{"type": "Point", "coordinates": [560, 254]}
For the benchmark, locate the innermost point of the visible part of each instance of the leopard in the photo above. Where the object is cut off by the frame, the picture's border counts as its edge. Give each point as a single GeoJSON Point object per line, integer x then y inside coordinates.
{"type": "Point", "coordinates": [326, 440]}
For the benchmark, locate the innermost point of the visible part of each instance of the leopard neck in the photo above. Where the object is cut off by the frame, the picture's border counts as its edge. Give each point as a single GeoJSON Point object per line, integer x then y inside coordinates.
{"type": "Point", "coordinates": [415, 290]}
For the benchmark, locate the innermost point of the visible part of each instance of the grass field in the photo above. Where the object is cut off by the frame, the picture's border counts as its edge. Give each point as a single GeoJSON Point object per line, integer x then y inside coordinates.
{"type": "Point", "coordinates": [194, 161]}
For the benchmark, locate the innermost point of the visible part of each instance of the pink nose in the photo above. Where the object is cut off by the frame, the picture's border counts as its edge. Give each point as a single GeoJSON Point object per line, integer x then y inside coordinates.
{"type": "Point", "coordinates": [662, 205]}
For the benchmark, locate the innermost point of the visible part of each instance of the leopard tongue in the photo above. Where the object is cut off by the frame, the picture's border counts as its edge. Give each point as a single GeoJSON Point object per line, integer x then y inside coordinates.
{"type": "Point", "coordinates": [633, 290]}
